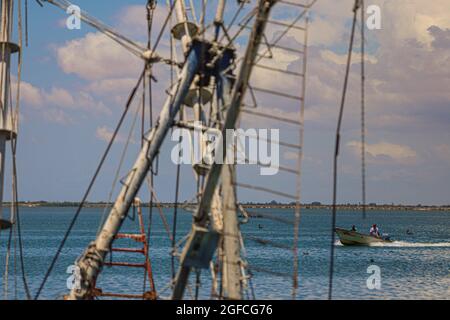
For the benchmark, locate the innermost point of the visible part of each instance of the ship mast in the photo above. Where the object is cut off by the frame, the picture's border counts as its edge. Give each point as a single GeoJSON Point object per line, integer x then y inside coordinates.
{"type": "Point", "coordinates": [8, 130]}
{"type": "Point", "coordinates": [201, 241]}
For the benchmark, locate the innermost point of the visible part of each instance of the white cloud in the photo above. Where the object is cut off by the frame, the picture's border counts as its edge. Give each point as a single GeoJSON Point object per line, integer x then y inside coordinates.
{"type": "Point", "coordinates": [385, 151]}
{"type": "Point", "coordinates": [96, 57]}
{"type": "Point", "coordinates": [105, 134]}
{"type": "Point", "coordinates": [443, 151]}
{"type": "Point", "coordinates": [29, 94]}
{"type": "Point", "coordinates": [59, 97]}
{"type": "Point", "coordinates": [341, 59]}
{"type": "Point", "coordinates": [55, 104]}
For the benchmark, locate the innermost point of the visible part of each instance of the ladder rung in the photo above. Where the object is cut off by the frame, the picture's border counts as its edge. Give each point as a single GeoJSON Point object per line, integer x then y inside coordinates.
{"type": "Point", "coordinates": [121, 295]}
{"type": "Point", "coordinates": [281, 94]}
{"type": "Point", "coordinates": [135, 237]}
{"type": "Point", "coordinates": [125, 264]}
{"type": "Point", "coordinates": [280, 168]}
{"type": "Point", "coordinates": [130, 250]}
{"type": "Point", "coordinates": [266, 55]}
{"type": "Point", "coordinates": [269, 116]}
{"type": "Point", "coordinates": [279, 70]}
{"type": "Point", "coordinates": [286, 48]}
{"type": "Point", "coordinates": [290, 3]}
{"type": "Point", "coordinates": [290, 26]}
{"type": "Point", "coordinates": [281, 143]}
{"type": "Point", "coordinates": [267, 190]}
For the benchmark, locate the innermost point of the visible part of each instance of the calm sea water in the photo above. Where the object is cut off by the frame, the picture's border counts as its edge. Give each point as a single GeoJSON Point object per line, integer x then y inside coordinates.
{"type": "Point", "coordinates": [413, 267]}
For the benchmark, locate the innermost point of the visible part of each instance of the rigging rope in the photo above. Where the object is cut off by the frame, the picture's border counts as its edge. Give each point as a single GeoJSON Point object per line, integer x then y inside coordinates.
{"type": "Point", "coordinates": [337, 146]}
{"type": "Point", "coordinates": [178, 175]}
{"type": "Point", "coordinates": [363, 113]}
{"type": "Point", "coordinates": [151, 7]}
{"type": "Point", "coordinates": [91, 184]}
{"type": "Point", "coordinates": [15, 213]}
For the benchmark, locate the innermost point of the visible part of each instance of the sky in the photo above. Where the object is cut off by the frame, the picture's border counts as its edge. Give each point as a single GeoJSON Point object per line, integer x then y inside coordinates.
{"type": "Point", "coordinates": [76, 82]}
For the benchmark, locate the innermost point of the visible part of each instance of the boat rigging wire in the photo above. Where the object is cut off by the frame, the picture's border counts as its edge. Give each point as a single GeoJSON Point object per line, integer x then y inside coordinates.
{"type": "Point", "coordinates": [15, 213]}
{"type": "Point", "coordinates": [151, 7]}
{"type": "Point", "coordinates": [363, 113]}
{"type": "Point", "coordinates": [178, 173]}
{"type": "Point", "coordinates": [337, 147]}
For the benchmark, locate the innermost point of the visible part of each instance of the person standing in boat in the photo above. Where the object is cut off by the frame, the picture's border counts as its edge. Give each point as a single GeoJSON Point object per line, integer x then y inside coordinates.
{"type": "Point", "coordinates": [374, 231]}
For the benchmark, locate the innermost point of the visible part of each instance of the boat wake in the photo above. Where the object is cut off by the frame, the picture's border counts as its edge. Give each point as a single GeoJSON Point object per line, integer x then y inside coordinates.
{"type": "Point", "coordinates": [404, 244]}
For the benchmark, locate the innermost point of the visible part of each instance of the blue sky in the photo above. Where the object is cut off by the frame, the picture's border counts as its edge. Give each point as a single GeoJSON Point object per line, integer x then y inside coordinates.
{"type": "Point", "coordinates": [69, 106]}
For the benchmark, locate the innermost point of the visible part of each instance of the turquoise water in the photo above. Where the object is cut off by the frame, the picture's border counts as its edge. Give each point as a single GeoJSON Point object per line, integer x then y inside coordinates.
{"type": "Point", "coordinates": [413, 267]}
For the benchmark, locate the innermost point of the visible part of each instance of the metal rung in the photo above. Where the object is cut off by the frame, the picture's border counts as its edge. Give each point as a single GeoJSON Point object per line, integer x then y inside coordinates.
{"type": "Point", "coordinates": [125, 264]}
{"type": "Point", "coordinates": [286, 25]}
{"type": "Point", "coordinates": [267, 190]}
{"type": "Point", "coordinates": [128, 250]}
{"type": "Point", "coordinates": [280, 143]}
{"type": "Point", "coordinates": [120, 295]}
{"type": "Point", "coordinates": [265, 56]}
{"type": "Point", "coordinates": [298, 74]}
{"type": "Point", "coordinates": [146, 296]}
{"type": "Point", "coordinates": [290, 3]}
{"type": "Point", "coordinates": [286, 48]}
{"type": "Point", "coordinates": [281, 168]}
{"type": "Point", "coordinates": [135, 237]}
{"type": "Point", "coordinates": [285, 95]}
{"type": "Point", "coordinates": [269, 243]}
{"type": "Point", "coordinates": [270, 116]}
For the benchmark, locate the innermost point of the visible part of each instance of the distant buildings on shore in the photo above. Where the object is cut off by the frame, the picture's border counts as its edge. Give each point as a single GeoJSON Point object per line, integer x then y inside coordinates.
{"type": "Point", "coordinates": [269, 205]}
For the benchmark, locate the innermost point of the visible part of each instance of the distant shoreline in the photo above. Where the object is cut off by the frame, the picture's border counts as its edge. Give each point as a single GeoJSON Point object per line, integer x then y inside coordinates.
{"type": "Point", "coordinates": [355, 207]}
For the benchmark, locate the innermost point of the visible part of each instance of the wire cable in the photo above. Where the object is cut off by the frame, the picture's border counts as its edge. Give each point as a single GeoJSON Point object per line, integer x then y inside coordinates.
{"type": "Point", "coordinates": [337, 146]}
{"type": "Point", "coordinates": [363, 114]}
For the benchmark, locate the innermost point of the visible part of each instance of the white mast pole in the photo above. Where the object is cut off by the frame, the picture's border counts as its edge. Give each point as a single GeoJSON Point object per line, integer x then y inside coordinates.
{"type": "Point", "coordinates": [183, 24]}
{"type": "Point", "coordinates": [6, 49]}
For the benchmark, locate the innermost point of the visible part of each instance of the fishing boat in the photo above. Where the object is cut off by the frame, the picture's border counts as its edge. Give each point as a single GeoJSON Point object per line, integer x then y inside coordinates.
{"type": "Point", "coordinates": [354, 238]}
